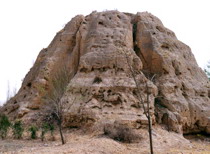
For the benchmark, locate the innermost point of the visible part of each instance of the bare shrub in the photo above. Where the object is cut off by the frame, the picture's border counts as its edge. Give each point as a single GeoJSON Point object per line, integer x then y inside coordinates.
{"type": "Point", "coordinates": [57, 87]}
{"type": "Point", "coordinates": [121, 133]}
{"type": "Point", "coordinates": [10, 92]}
{"type": "Point", "coordinates": [142, 102]}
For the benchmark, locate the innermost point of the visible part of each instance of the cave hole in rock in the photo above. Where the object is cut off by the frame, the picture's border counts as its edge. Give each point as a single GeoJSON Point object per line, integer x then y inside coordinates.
{"type": "Point", "coordinates": [120, 69]}
{"type": "Point", "coordinates": [83, 70]}
{"type": "Point", "coordinates": [184, 94]}
{"type": "Point", "coordinates": [103, 69]}
{"type": "Point", "coordinates": [159, 103]}
{"type": "Point", "coordinates": [175, 87]}
{"type": "Point", "coordinates": [109, 91]}
{"type": "Point", "coordinates": [202, 95]}
{"type": "Point", "coordinates": [29, 84]}
{"type": "Point", "coordinates": [119, 16]}
{"type": "Point", "coordinates": [135, 105]}
{"type": "Point", "coordinates": [134, 92]}
{"type": "Point", "coordinates": [114, 66]}
{"type": "Point", "coordinates": [100, 23]}
{"type": "Point", "coordinates": [97, 80]}
{"type": "Point", "coordinates": [165, 46]}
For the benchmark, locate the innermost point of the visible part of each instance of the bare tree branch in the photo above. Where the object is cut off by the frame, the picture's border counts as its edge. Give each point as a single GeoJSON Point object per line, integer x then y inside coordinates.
{"type": "Point", "coordinates": [137, 85]}
{"type": "Point", "coordinates": [140, 98]}
{"type": "Point", "coordinates": [57, 87]}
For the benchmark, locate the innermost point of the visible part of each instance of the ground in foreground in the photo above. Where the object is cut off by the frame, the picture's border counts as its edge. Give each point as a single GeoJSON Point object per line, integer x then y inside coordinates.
{"type": "Point", "coordinates": [80, 143]}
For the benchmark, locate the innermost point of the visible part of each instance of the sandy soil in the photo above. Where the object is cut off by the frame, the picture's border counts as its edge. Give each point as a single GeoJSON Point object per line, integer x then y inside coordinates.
{"type": "Point", "coordinates": [81, 143]}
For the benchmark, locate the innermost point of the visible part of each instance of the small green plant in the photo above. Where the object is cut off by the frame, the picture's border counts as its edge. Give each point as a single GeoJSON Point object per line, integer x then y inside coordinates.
{"type": "Point", "coordinates": [52, 129]}
{"type": "Point", "coordinates": [4, 126]}
{"type": "Point", "coordinates": [18, 129]}
{"type": "Point", "coordinates": [33, 130]}
{"type": "Point", "coordinates": [45, 128]}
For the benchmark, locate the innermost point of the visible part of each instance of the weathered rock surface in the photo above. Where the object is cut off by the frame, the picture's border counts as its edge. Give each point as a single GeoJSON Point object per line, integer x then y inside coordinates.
{"type": "Point", "coordinates": [101, 82]}
{"type": "Point", "coordinates": [183, 101]}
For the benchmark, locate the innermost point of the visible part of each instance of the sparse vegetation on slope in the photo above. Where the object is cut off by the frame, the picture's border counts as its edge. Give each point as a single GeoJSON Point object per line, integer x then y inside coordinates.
{"type": "Point", "coordinates": [44, 129]}
{"type": "Point", "coordinates": [33, 131]}
{"type": "Point", "coordinates": [18, 129]}
{"type": "Point", "coordinates": [57, 88]}
{"type": "Point", "coordinates": [4, 126]}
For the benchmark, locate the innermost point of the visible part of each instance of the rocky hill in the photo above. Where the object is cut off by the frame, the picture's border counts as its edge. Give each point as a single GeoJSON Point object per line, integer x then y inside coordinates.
{"type": "Point", "coordinates": [101, 85]}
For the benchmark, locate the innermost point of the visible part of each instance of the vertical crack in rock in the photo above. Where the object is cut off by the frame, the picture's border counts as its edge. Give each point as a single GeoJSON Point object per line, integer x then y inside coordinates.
{"type": "Point", "coordinates": [135, 46]}
{"type": "Point", "coordinates": [103, 80]}
{"type": "Point", "coordinates": [77, 48]}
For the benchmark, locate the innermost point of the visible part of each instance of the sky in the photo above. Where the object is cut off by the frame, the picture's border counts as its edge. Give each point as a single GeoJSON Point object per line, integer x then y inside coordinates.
{"type": "Point", "coordinates": [27, 26]}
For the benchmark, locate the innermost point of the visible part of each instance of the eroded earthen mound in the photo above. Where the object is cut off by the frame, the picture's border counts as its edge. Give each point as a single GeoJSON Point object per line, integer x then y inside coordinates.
{"type": "Point", "coordinates": [101, 84]}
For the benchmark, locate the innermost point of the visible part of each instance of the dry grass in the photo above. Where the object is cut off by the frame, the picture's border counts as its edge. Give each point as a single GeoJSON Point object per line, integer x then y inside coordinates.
{"type": "Point", "coordinates": [121, 133]}
{"type": "Point", "coordinates": [77, 143]}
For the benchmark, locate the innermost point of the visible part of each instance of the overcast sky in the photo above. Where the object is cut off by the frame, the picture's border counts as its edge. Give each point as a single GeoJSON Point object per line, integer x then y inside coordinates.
{"type": "Point", "coordinates": [27, 26]}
